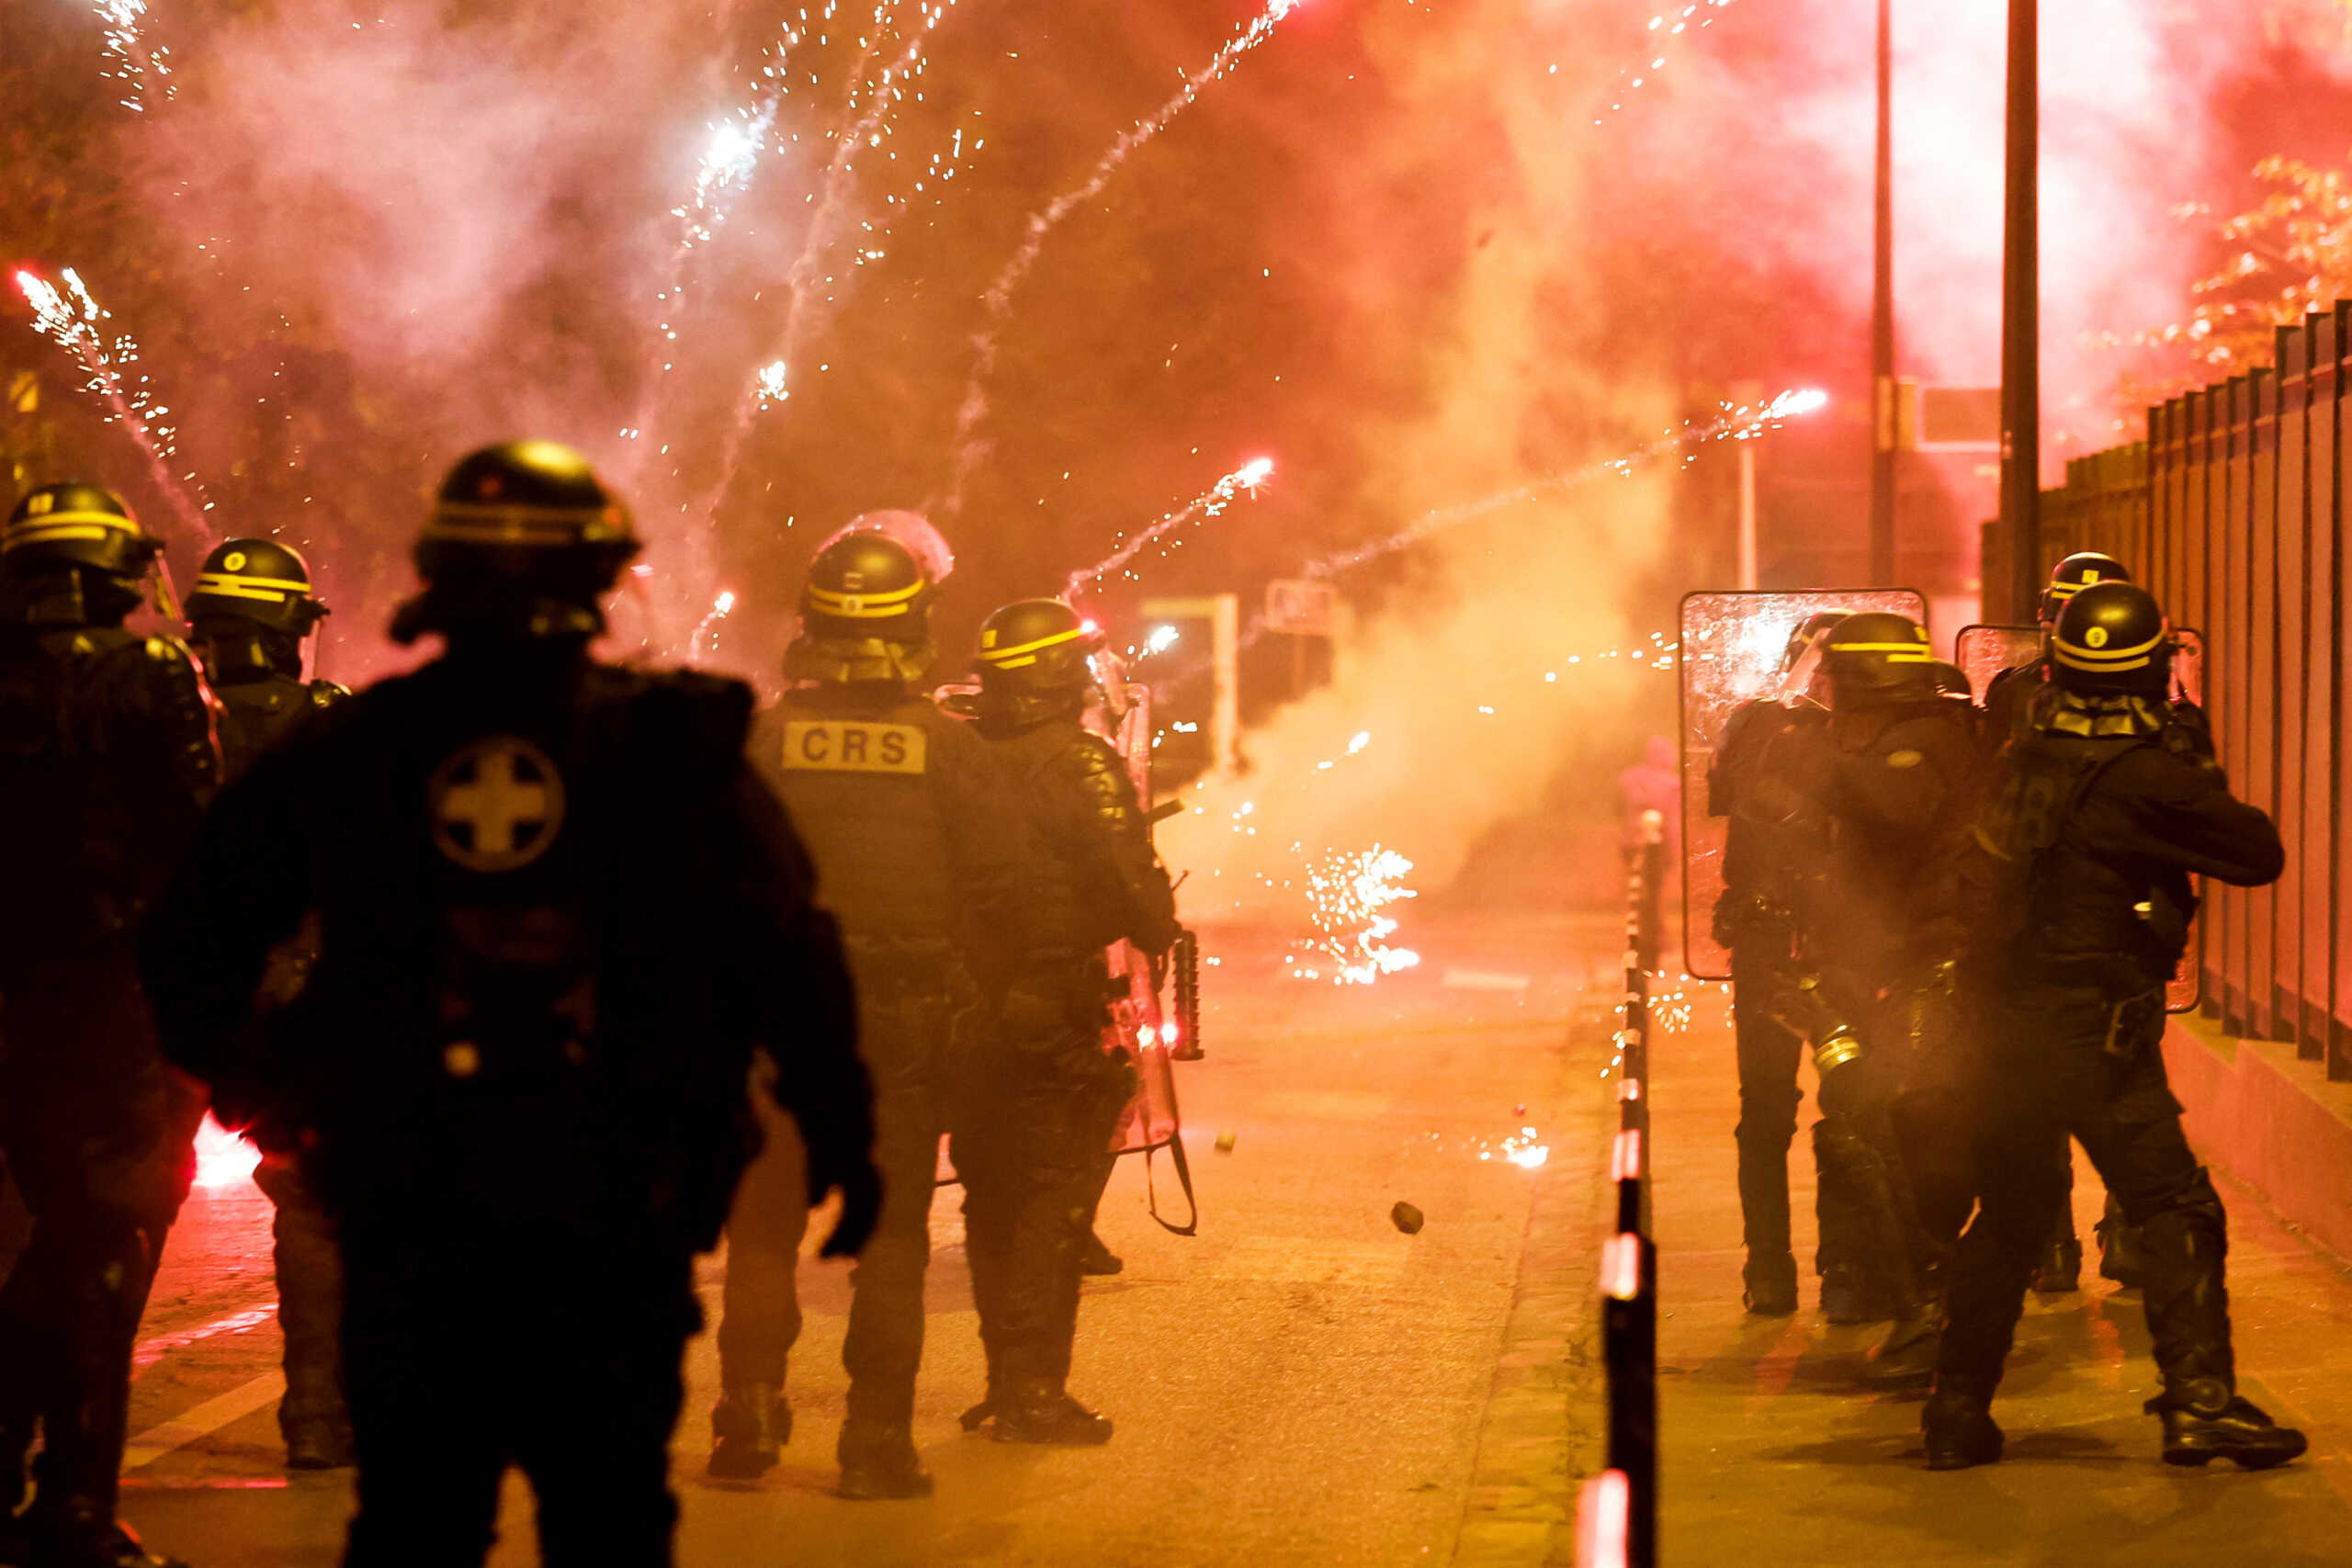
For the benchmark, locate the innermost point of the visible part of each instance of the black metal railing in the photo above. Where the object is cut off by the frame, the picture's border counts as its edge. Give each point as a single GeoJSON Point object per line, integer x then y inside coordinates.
{"type": "Point", "coordinates": [1617, 1515]}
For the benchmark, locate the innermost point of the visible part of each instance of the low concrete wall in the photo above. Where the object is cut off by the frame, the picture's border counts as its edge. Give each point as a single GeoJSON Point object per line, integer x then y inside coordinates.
{"type": "Point", "coordinates": [2270, 1120]}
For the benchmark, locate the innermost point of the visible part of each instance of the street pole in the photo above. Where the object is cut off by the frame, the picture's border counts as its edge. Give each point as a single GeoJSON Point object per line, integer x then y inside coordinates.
{"type": "Point", "coordinates": [1883, 425]}
{"type": "Point", "coordinates": [2022, 319]}
{"type": "Point", "coordinates": [1748, 394]}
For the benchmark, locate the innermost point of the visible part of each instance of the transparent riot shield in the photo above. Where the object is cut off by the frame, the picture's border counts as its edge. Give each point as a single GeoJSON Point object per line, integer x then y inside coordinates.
{"type": "Point", "coordinates": [1982, 652]}
{"type": "Point", "coordinates": [1732, 649]}
{"type": "Point", "coordinates": [1139, 1027]}
{"type": "Point", "coordinates": [2188, 986]}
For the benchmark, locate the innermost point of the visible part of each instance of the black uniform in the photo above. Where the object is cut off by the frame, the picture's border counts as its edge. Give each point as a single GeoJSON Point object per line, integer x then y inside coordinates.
{"type": "Point", "coordinates": [1772, 843]}
{"type": "Point", "coordinates": [556, 915]}
{"type": "Point", "coordinates": [258, 707]}
{"type": "Point", "coordinates": [1885, 928]}
{"type": "Point", "coordinates": [106, 756]}
{"type": "Point", "coordinates": [1039, 1107]}
{"type": "Point", "coordinates": [918, 848]}
{"type": "Point", "coordinates": [2123, 817]}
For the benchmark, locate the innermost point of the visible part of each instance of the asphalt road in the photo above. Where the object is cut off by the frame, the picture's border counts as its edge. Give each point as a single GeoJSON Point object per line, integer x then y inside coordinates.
{"type": "Point", "coordinates": [1301, 1382]}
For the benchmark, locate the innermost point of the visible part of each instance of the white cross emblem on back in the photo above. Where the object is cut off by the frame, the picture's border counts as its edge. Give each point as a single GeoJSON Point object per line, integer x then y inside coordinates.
{"type": "Point", "coordinates": [496, 805]}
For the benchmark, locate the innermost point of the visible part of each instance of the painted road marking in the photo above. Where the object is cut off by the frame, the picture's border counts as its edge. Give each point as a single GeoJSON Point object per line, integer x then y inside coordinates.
{"type": "Point", "coordinates": [203, 1421]}
{"type": "Point", "coordinates": [150, 1351]}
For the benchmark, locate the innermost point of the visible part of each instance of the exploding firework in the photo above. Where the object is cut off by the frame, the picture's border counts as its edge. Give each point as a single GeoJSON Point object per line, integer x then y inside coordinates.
{"type": "Point", "coordinates": [71, 318]}
{"type": "Point", "coordinates": [1346, 893]}
{"type": "Point", "coordinates": [996, 303]}
{"type": "Point", "coordinates": [128, 59]}
{"type": "Point", "coordinates": [1244, 479]}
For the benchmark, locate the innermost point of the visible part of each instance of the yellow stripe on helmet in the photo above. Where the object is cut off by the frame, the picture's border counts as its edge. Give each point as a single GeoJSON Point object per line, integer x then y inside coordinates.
{"type": "Point", "coordinates": [1897, 652]}
{"type": "Point", "coordinates": [44, 532]}
{"type": "Point", "coordinates": [2067, 589]}
{"type": "Point", "coordinates": [497, 522]}
{"type": "Point", "coordinates": [876, 607]}
{"type": "Point", "coordinates": [2077, 655]}
{"type": "Point", "coordinates": [1009, 657]}
{"type": "Point", "coordinates": [228, 585]}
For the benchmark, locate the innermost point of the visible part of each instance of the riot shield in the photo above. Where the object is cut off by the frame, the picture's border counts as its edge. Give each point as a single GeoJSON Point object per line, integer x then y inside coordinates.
{"type": "Point", "coordinates": [1982, 652]}
{"type": "Point", "coordinates": [1139, 1027]}
{"type": "Point", "coordinates": [2188, 986]}
{"type": "Point", "coordinates": [1730, 653]}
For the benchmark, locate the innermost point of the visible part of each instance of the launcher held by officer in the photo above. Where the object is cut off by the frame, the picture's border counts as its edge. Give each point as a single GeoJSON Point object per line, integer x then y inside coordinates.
{"type": "Point", "coordinates": [919, 850]}
{"type": "Point", "coordinates": [249, 616]}
{"type": "Point", "coordinates": [2106, 807]}
{"type": "Point", "coordinates": [1038, 1110]}
{"type": "Point", "coordinates": [106, 756]}
{"type": "Point", "coordinates": [557, 912]}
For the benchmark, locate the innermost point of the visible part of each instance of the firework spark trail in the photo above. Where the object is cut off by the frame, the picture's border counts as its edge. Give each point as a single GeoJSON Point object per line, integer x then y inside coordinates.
{"type": "Point", "coordinates": [1665, 25]}
{"type": "Point", "coordinates": [770, 382]}
{"type": "Point", "coordinates": [70, 319]}
{"type": "Point", "coordinates": [1208, 504]}
{"type": "Point", "coordinates": [996, 303]}
{"type": "Point", "coordinates": [720, 608]}
{"type": "Point", "coordinates": [128, 58]}
{"type": "Point", "coordinates": [1735, 423]}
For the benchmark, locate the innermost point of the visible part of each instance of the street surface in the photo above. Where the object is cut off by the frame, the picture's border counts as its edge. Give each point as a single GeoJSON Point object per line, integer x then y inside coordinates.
{"type": "Point", "coordinates": [1299, 1383]}
{"type": "Point", "coordinates": [1775, 1457]}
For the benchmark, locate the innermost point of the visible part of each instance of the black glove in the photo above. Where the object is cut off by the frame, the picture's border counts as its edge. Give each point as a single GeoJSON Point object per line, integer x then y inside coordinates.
{"type": "Point", "coordinates": [861, 1189]}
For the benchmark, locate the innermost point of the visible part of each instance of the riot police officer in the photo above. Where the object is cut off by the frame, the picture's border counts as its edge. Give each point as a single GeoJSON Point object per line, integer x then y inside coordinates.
{"type": "Point", "coordinates": [2009, 699]}
{"type": "Point", "coordinates": [1767, 843]}
{"type": "Point", "coordinates": [251, 612]}
{"type": "Point", "coordinates": [557, 912]}
{"type": "Point", "coordinates": [1892, 784]}
{"type": "Point", "coordinates": [919, 852]}
{"type": "Point", "coordinates": [1039, 1107]}
{"type": "Point", "coordinates": [106, 757]}
{"type": "Point", "coordinates": [2107, 807]}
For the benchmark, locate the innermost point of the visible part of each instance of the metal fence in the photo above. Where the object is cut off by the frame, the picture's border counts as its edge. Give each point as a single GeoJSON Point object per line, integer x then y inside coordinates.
{"type": "Point", "coordinates": [2232, 513]}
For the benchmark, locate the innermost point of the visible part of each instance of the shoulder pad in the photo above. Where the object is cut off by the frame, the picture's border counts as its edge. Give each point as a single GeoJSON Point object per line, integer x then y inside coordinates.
{"type": "Point", "coordinates": [326, 694]}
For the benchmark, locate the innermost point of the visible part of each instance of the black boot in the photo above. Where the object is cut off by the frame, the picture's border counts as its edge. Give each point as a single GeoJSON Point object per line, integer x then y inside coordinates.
{"type": "Point", "coordinates": [879, 1460]}
{"type": "Point", "coordinates": [2204, 1421]}
{"type": "Point", "coordinates": [1043, 1413]}
{"type": "Point", "coordinates": [1848, 1295]}
{"type": "Point", "coordinates": [1907, 1355]}
{"type": "Point", "coordinates": [72, 1536]}
{"type": "Point", "coordinates": [318, 1442]}
{"type": "Point", "coordinates": [1094, 1258]}
{"type": "Point", "coordinates": [1958, 1426]}
{"type": "Point", "coordinates": [2120, 1256]}
{"type": "Point", "coordinates": [749, 1427]}
{"type": "Point", "coordinates": [2059, 1268]}
{"type": "Point", "coordinates": [1771, 1286]}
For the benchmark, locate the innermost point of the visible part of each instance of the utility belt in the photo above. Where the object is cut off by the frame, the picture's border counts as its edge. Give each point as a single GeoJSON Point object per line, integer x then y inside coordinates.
{"type": "Point", "coordinates": [2135, 1003]}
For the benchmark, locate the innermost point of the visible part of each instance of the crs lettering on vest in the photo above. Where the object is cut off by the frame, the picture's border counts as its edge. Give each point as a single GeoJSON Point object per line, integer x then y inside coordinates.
{"type": "Point", "coordinates": [853, 746]}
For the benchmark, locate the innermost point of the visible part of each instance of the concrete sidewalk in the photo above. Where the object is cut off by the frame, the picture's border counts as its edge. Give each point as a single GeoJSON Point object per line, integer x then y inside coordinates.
{"type": "Point", "coordinates": [1774, 1454]}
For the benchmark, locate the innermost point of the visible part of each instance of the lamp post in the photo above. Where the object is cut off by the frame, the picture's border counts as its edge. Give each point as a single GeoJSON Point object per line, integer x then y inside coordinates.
{"type": "Point", "coordinates": [1883, 423]}
{"type": "Point", "coordinates": [2021, 319]}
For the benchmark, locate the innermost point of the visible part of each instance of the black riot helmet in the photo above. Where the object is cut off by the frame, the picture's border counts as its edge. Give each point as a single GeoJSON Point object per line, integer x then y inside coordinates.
{"type": "Point", "coordinates": [864, 614]}
{"type": "Point", "coordinates": [1035, 662]}
{"type": "Point", "coordinates": [72, 553]}
{"type": "Point", "coordinates": [2075, 573]}
{"type": "Point", "coordinates": [2111, 639]}
{"type": "Point", "coordinates": [521, 542]}
{"type": "Point", "coordinates": [259, 581]}
{"type": "Point", "coordinates": [1876, 658]}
